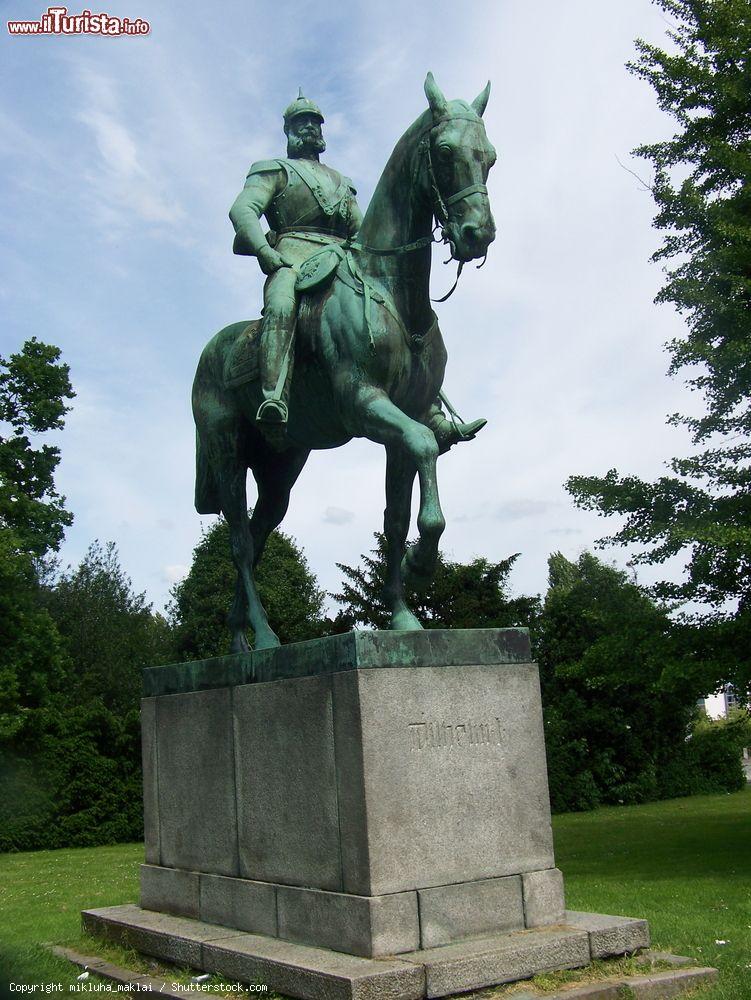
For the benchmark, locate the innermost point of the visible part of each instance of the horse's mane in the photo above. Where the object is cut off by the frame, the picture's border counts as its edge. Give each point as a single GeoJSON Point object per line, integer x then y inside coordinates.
{"type": "Point", "coordinates": [395, 165]}
{"type": "Point", "coordinates": [399, 164]}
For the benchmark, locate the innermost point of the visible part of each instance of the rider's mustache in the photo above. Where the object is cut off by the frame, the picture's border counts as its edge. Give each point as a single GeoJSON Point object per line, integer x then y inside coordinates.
{"type": "Point", "coordinates": [307, 139]}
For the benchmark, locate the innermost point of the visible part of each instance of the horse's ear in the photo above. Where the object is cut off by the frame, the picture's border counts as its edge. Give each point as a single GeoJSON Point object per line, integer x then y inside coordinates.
{"type": "Point", "coordinates": [436, 100]}
{"type": "Point", "coordinates": [481, 101]}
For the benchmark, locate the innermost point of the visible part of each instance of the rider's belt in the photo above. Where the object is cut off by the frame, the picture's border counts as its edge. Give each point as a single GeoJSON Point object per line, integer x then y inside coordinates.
{"type": "Point", "coordinates": [313, 234]}
{"type": "Point", "coordinates": [286, 230]}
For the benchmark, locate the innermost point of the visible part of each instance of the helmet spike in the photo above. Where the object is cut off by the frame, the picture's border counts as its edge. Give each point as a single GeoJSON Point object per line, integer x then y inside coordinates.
{"type": "Point", "coordinates": [301, 106]}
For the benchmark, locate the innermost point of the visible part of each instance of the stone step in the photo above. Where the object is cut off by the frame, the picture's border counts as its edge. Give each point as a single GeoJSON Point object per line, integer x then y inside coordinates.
{"type": "Point", "coordinates": [654, 986]}
{"type": "Point", "coordinates": [312, 973]}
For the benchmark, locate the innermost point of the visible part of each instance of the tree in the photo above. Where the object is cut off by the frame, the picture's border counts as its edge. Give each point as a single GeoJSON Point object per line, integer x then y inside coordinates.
{"type": "Point", "coordinates": [33, 661]}
{"type": "Point", "coordinates": [71, 777]}
{"type": "Point", "coordinates": [33, 390]}
{"type": "Point", "coordinates": [717, 746]}
{"type": "Point", "coordinates": [200, 603]}
{"type": "Point", "coordinates": [108, 630]}
{"type": "Point", "coordinates": [702, 189]}
{"type": "Point", "coordinates": [619, 687]}
{"type": "Point", "coordinates": [71, 644]}
{"type": "Point", "coordinates": [70, 685]}
{"type": "Point", "coordinates": [462, 595]}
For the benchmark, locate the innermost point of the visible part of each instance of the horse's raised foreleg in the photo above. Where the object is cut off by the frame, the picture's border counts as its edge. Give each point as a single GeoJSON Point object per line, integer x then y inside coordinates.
{"type": "Point", "coordinates": [400, 475]}
{"type": "Point", "coordinates": [383, 421]}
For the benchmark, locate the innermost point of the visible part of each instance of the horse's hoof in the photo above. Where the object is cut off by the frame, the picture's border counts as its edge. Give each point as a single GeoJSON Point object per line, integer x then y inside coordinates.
{"type": "Point", "coordinates": [413, 577]}
{"type": "Point", "coordinates": [267, 640]}
{"type": "Point", "coordinates": [404, 621]}
{"type": "Point", "coordinates": [239, 643]}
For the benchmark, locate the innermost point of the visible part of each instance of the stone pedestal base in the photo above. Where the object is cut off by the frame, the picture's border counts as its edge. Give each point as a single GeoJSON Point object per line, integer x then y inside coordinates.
{"type": "Point", "coordinates": [369, 926]}
{"type": "Point", "coordinates": [310, 973]}
{"type": "Point", "coordinates": [362, 816]}
{"type": "Point", "coordinates": [374, 792]}
{"type": "Point", "coordinates": [372, 763]}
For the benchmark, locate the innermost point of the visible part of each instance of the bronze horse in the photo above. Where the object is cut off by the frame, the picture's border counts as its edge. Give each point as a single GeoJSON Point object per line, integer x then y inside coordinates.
{"type": "Point", "coordinates": [369, 362]}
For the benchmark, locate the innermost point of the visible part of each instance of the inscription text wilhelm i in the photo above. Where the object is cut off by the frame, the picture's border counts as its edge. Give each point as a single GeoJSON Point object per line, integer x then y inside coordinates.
{"type": "Point", "coordinates": [442, 736]}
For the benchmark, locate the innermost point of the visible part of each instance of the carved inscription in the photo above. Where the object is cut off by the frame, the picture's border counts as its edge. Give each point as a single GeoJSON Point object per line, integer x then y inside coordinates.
{"type": "Point", "coordinates": [443, 736]}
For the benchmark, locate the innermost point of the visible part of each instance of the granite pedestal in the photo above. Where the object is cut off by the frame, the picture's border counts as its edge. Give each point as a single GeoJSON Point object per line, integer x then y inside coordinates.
{"type": "Point", "coordinates": [372, 794]}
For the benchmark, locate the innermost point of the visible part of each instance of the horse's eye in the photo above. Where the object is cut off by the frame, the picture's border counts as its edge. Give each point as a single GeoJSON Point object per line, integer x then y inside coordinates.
{"type": "Point", "coordinates": [444, 152]}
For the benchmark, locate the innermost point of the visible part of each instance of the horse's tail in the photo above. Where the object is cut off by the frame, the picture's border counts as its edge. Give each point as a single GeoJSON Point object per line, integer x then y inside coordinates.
{"type": "Point", "coordinates": [207, 487]}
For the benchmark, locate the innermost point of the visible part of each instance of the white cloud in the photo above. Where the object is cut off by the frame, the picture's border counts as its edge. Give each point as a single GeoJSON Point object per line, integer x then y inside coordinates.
{"type": "Point", "coordinates": [114, 142]}
{"type": "Point", "coordinates": [338, 515]}
{"type": "Point", "coordinates": [128, 192]}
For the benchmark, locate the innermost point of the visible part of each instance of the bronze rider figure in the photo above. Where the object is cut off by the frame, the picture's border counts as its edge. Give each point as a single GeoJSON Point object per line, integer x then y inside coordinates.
{"type": "Point", "coordinates": [307, 204]}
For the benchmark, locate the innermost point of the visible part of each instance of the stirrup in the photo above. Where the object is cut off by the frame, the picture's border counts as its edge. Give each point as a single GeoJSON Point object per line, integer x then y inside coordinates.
{"type": "Point", "coordinates": [272, 411]}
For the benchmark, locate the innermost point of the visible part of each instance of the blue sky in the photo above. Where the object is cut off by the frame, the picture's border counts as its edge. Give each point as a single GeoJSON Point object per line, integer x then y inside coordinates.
{"type": "Point", "coordinates": [120, 158]}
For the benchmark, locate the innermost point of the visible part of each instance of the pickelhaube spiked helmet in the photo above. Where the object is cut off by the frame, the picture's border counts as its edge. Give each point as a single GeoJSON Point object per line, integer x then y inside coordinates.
{"type": "Point", "coordinates": [301, 106]}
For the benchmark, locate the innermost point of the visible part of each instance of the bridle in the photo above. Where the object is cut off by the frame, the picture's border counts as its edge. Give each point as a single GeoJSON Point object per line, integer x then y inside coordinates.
{"type": "Point", "coordinates": [439, 204]}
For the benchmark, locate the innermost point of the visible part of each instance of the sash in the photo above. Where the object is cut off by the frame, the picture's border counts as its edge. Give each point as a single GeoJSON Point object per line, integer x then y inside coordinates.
{"type": "Point", "coordinates": [307, 175]}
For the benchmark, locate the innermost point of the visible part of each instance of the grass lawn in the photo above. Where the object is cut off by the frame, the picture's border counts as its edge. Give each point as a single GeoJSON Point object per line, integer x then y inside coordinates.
{"type": "Point", "coordinates": [685, 865]}
{"type": "Point", "coordinates": [41, 896]}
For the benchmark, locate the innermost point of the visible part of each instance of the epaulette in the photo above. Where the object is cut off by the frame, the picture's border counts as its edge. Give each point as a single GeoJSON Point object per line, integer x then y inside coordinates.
{"type": "Point", "coordinates": [348, 181]}
{"type": "Point", "coordinates": [265, 166]}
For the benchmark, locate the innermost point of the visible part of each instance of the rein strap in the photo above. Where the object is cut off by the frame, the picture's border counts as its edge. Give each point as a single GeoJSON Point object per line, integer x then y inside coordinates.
{"type": "Point", "coordinates": [424, 241]}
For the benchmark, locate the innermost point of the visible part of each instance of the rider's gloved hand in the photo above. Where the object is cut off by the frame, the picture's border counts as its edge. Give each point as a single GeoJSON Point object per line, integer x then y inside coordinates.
{"type": "Point", "coordinates": [270, 261]}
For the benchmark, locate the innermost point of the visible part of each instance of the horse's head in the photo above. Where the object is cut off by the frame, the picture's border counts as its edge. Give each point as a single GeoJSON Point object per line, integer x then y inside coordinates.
{"type": "Point", "coordinates": [459, 159]}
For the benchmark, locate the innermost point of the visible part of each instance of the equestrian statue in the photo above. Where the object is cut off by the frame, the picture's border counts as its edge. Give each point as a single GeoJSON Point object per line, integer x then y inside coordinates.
{"type": "Point", "coordinates": [349, 345]}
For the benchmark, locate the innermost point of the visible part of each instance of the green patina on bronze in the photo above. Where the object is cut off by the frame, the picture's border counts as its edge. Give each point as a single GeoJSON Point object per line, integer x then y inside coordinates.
{"type": "Point", "coordinates": [360, 354]}
{"type": "Point", "coordinates": [350, 651]}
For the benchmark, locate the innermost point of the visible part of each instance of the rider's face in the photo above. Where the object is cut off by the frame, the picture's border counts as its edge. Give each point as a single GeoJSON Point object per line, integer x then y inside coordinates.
{"type": "Point", "coordinates": [306, 125]}
{"type": "Point", "coordinates": [305, 135]}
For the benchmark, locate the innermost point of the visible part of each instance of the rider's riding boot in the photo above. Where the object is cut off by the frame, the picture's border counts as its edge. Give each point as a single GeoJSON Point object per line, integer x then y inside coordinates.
{"type": "Point", "coordinates": [276, 350]}
{"type": "Point", "coordinates": [271, 420]}
{"type": "Point", "coordinates": [450, 432]}
{"type": "Point", "coordinates": [447, 433]}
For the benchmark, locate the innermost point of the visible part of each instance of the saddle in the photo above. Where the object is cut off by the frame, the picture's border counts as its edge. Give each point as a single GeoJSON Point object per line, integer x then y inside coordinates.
{"type": "Point", "coordinates": [241, 365]}
{"type": "Point", "coordinates": [315, 274]}
{"type": "Point", "coordinates": [317, 271]}
{"type": "Point", "coordinates": [337, 261]}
